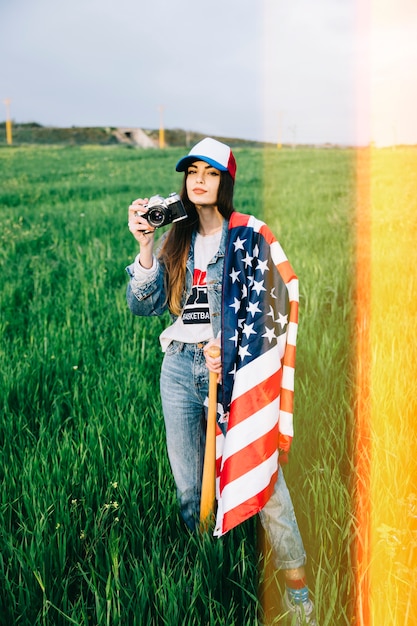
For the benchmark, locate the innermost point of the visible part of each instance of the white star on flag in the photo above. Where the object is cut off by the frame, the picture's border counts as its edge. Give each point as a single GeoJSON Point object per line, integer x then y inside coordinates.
{"type": "Point", "coordinates": [282, 319]}
{"type": "Point", "coordinates": [238, 244]}
{"type": "Point", "coordinates": [262, 265]}
{"type": "Point", "coordinates": [269, 334]}
{"type": "Point", "coordinates": [258, 286]}
{"type": "Point", "coordinates": [244, 351]}
{"type": "Point", "coordinates": [253, 308]}
{"type": "Point", "coordinates": [248, 330]}
{"type": "Point", "coordinates": [271, 313]}
{"type": "Point", "coordinates": [248, 260]}
{"type": "Point", "coordinates": [234, 275]}
{"type": "Point", "coordinates": [235, 338]}
{"type": "Point", "coordinates": [235, 305]}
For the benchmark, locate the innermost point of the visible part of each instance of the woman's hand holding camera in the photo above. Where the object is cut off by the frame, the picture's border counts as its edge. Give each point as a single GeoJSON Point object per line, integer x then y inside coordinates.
{"type": "Point", "coordinates": [142, 232]}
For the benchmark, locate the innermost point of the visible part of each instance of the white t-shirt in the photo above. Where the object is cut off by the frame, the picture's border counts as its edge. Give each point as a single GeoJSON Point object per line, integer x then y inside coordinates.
{"type": "Point", "coordinates": [194, 323]}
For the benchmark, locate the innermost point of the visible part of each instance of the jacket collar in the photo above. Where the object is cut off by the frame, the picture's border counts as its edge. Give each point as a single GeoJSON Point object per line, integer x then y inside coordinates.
{"type": "Point", "coordinates": [222, 246]}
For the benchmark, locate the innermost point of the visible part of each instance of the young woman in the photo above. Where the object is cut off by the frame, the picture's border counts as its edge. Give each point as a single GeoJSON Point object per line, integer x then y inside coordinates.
{"type": "Point", "coordinates": [225, 280]}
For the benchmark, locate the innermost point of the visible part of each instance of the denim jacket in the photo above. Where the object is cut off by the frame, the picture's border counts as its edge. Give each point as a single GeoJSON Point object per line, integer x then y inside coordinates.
{"type": "Point", "coordinates": [149, 298]}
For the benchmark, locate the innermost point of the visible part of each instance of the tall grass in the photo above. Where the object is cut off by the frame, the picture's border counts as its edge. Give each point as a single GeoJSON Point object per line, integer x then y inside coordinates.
{"type": "Point", "coordinates": [89, 526]}
{"type": "Point", "coordinates": [309, 202]}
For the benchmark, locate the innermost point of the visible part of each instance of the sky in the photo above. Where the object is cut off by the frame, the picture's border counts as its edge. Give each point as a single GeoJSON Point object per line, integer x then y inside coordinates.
{"type": "Point", "coordinates": [328, 71]}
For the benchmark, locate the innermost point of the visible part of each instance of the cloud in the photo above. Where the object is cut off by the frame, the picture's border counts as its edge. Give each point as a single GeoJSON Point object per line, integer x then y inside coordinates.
{"type": "Point", "coordinates": [308, 69]}
{"type": "Point", "coordinates": [235, 68]}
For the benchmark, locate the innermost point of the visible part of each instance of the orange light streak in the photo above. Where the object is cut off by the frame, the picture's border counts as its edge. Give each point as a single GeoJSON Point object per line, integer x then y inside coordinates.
{"type": "Point", "coordinates": [386, 410]}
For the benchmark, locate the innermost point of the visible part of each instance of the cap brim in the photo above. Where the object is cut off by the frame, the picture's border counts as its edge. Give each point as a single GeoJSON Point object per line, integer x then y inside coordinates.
{"type": "Point", "coordinates": [183, 163]}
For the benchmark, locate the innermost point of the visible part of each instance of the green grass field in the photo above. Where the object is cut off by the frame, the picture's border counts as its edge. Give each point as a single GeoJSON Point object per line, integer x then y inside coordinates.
{"type": "Point", "coordinates": [89, 528]}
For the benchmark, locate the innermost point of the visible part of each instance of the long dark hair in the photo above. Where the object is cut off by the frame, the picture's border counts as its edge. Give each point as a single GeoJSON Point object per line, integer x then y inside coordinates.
{"type": "Point", "coordinates": [174, 251]}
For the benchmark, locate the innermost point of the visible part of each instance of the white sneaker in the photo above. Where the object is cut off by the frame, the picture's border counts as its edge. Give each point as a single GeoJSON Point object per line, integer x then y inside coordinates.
{"type": "Point", "coordinates": [300, 614]}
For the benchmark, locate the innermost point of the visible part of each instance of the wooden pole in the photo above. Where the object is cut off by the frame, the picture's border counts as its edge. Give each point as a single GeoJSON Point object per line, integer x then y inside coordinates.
{"type": "Point", "coordinates": [161, 127]}
{"type": "Point", "coordinates": [9, 138]}
{"type": "Point", "coordinates": [208, 485]}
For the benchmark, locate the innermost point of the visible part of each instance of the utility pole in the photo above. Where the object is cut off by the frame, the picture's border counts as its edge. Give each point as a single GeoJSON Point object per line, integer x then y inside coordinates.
{"type": "Point", "coordinates": [294, 135]}
{"type": "Point", "coordinates": [8, 122]}
{"type": "Point", "coordinates": [161, 127]}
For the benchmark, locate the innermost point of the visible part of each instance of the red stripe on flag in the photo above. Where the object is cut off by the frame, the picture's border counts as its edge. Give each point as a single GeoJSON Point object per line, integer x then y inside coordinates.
{"type": "Point", "coordinates": [267, 234]}
{"type": "Point", "coordinates": [284, 442]}
{"type": "Point", "coordinates": [255, 399]}
{"type": "Point", "coordinates": [289, 356]}
{"type": "Point", "coordinates": [293, 311]}
{"type": "Point", "coordinates": [248, 508]}
{"type": "Point", "coordinates": [238, 219]}
{"type": "Point", "coordinates": [252, 455]}
{"type": "Point", "coordinates": [287, 400]}
{"type": "Point", "coordinates": [286, 271]}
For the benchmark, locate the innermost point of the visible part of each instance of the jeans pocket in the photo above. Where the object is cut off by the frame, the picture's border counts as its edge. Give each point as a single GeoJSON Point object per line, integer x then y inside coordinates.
{"type": "Point", "coordinates": [174, 348]}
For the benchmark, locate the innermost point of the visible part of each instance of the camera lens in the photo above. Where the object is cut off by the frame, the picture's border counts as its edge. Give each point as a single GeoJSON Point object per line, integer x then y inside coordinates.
{"type": "Point", "coordinates": [156, 217]}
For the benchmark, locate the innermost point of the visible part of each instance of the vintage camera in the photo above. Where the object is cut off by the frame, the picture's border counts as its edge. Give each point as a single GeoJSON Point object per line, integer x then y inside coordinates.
{"type": "Point", "coordinates": [162, 211]}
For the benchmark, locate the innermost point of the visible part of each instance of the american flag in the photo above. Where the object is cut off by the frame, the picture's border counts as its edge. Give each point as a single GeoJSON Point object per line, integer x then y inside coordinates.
{"type": "Point", "coordinates": [259, 329]}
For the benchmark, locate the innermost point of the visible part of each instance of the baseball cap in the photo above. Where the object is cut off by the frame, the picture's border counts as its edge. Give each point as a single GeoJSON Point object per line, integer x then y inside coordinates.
{"type": "Point", "coordinates": [214, 152]}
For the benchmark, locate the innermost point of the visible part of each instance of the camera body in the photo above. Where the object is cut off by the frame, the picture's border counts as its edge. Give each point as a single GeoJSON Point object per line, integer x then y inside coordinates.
{"type": "Point", "coordinates": [162, 211]}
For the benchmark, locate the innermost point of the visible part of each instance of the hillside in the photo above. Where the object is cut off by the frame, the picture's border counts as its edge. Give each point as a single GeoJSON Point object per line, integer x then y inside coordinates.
{"type": "Point", "coordinates": [34, 133]}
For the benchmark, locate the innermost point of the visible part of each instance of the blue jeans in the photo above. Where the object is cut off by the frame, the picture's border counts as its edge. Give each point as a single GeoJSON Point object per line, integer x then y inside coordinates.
{"type": "Point", "coordinates": [184, 387]}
